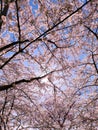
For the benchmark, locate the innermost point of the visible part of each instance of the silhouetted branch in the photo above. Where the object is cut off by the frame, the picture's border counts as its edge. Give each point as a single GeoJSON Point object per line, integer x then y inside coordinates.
{"type": "Point", "coordinates": [92, 31]}
{"type": "Point", "coordinates": [12, 44]}
{"type": "Point", "coordinates": [5, 87]}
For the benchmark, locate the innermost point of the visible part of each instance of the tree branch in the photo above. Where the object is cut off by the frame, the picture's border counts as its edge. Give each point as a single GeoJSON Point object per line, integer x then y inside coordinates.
{"type": "Point", "coordinates": [18, 23]}
{"type": "Point", "coordinates": [92, 31]}
{"type": "Point", "coordinates": [94, 63]}
{"type": "Point", "coordinates": [6, 87]}
{"type": "Point", "coordinates": [12, 44]}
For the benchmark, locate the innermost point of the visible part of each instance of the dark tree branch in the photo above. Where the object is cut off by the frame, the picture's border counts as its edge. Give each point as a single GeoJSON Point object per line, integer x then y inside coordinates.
{"type": "Point", "coordinates": [12, 44]}
{"type": "Point", "coordinates": [92, 31]}
{"type": "Point", "coordinates": [12, 104]}
{"type": "Point", "coordinates": [66, 114]}
{"type": "Point", "coordinates": [4, 104]}
{"type": "Point", "coordinates": [5, 10]}
{"type": "Point", "coordinates": [18, 23]}
{"type": "Point", "coordinates": [6, 62]}
{"type": "Point", "coordinates": [6, 87]}
{"type": "Point", "coordinates": [2, 123]}
{"type": "Point", "coordinates": [94, 63]}
{"type": "Point", "coordinates": [61, 47]}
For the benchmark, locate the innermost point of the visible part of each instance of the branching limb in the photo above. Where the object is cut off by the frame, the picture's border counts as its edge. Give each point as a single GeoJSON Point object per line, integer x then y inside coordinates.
{"type": "Point", "coordinates": [45, 33]}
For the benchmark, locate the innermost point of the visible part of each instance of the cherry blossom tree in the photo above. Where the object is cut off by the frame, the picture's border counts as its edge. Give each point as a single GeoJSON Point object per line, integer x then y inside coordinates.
{"type": "Point", "coordinates": [48, 65]}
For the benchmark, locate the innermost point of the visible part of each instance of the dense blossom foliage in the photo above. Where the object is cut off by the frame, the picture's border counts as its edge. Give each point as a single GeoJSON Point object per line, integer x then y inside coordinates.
{"type": "Point", "coordinates": [48, 65]}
